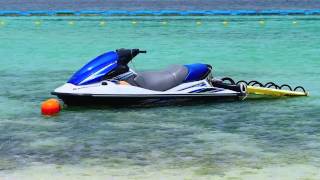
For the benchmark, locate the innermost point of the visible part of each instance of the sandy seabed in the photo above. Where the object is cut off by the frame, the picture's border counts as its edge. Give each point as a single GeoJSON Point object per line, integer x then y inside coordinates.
{"type": "Point", "coordinates": [48, 172]}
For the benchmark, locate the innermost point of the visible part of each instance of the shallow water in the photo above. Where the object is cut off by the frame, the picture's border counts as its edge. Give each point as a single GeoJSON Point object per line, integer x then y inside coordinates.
{"type": "Point", "coordinates": [270, 139]}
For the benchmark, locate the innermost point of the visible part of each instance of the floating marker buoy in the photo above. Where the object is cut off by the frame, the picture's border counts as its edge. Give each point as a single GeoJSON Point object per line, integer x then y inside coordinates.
{"type": "Point", "coordinates": [164, 23]}
{"type": "Point", "coordinates": [225, 23]}
{"type": "Point", "coordinates": [2, 23]}
{"type": "Point", "coordinates": [102, 23]}
{"type": "Point", "coordinates": [198, 22]}
{"type": "Point", "coordinates": [294, 22]}
{"type": "Point", "coordinates": [37, 22]}
{"type": "Point", "coordinates": [134, 22]}
{"type": "Point", "coordinates": [71, 23]}
{"type": "Point", "coordinates": [50, 107]}
{"type": "Point", "coordinates": [261, 22]}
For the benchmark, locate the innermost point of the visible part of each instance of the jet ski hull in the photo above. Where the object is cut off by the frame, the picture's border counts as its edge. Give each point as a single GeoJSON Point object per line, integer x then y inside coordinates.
{"type": "Point", "coordinates": [145, 99]}
{"type": "Point", "coordinates": [108, 80]}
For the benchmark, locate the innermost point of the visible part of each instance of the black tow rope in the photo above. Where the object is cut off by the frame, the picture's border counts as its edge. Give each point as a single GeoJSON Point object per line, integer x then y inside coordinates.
{"type": "Point", "coordinates": [267, 85]}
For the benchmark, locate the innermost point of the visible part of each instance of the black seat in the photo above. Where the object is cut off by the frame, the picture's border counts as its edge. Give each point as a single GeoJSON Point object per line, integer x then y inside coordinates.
{"type": "Point", "coordinates": [162, 80]}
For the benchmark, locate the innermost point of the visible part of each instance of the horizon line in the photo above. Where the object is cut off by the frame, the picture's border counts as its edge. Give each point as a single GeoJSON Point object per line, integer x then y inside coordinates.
{"type": "Point", "coordinates": [159, 13]}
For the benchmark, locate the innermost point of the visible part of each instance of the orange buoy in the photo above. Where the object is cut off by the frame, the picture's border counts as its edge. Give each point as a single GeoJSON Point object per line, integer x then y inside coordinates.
{"type": "Point", "coordinates": [50, 107]}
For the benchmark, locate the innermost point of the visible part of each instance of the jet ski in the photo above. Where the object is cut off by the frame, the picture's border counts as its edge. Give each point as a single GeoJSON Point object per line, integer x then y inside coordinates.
{"type": "Point", "coordinates": [108, 80]}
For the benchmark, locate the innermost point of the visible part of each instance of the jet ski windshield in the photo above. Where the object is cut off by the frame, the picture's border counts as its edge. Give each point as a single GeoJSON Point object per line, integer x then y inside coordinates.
{"type": "Point", "coordinates": [105, 66]}
{"type": "Point", "coordinates": [96, 69]}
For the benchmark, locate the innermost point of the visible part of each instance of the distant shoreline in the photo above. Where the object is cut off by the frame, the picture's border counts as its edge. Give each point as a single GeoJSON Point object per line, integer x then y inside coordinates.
{"type": "Point", "coordinates": [156, 5]}
{"type": "Point", "coordinates": [159, 13]}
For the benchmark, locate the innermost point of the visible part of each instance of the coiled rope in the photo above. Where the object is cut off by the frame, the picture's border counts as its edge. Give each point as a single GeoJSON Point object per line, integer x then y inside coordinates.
{"type": "Point", "coordinates": [267, 85]}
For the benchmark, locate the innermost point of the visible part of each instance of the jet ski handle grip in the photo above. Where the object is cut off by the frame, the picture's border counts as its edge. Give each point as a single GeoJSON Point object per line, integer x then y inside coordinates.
{"type": "Point", "coordinates": [126, 55]}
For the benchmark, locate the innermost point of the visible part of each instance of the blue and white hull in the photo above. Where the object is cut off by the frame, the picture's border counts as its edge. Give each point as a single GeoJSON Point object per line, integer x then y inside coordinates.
{"type": "Point", "coordinates": [108, 80]}
{"type": "Point", "coordinates": [127, 95]}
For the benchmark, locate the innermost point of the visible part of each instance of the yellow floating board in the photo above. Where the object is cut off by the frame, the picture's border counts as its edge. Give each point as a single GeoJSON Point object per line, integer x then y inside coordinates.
{"type": "Point", "coordinates": [274, 92]}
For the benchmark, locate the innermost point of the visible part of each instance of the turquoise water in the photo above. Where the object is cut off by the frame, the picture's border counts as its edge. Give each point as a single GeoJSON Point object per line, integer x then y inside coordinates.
{"type": "Point", "coordinates": [266, 139]}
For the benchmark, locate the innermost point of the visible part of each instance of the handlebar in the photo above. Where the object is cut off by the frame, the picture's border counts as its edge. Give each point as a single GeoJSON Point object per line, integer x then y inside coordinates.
{"type": "Point", "coordinates": [126, 55]}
